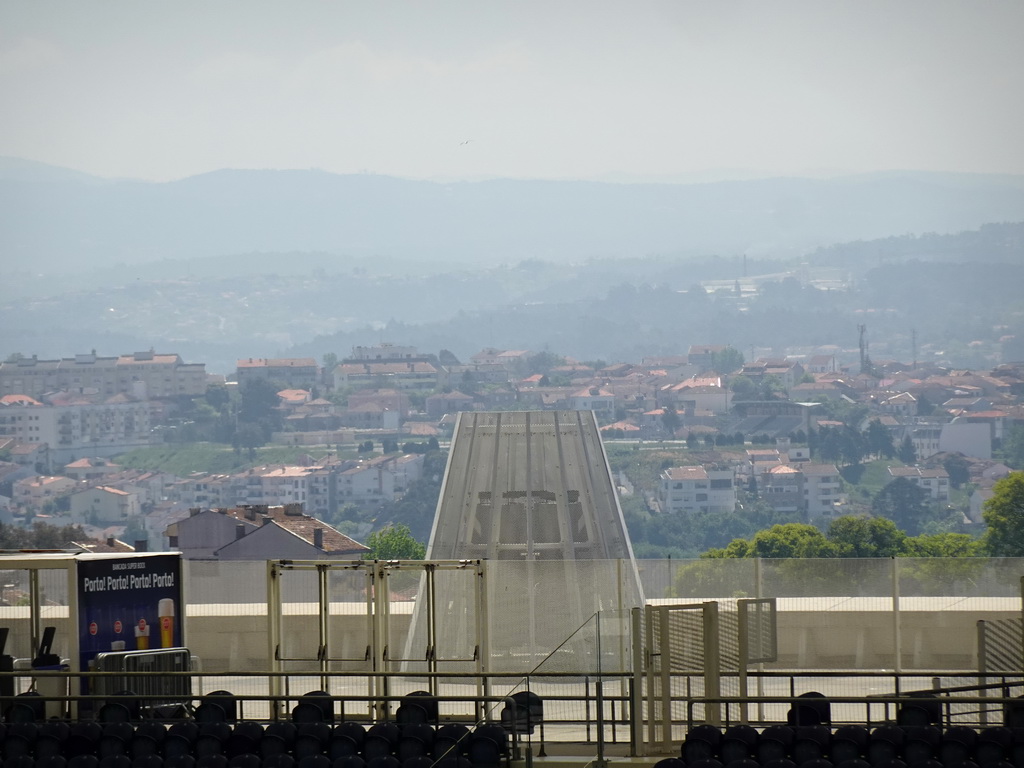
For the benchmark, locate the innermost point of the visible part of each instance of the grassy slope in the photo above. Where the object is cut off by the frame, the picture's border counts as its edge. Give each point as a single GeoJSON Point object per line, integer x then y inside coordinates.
{"type": "Point", "coordinates": [184, 459]}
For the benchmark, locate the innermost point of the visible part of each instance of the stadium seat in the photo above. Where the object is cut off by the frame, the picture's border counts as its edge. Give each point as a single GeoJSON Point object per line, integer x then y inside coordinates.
{"type": "Point", "coordinates": [811, 708]}
{"type": "Point", "coordinates": [848, 742]}
{"type": "Point", "coordinates": [314, 707]}
{"type": "Point", "coordinates": [739, 742]}
{"type": "Point", "coordinates": [701, 742]}
{"type": "Point", "coordinates": [926, 709]}
{"type": "Point", "coordinates": [488, 744]}
{"type": "Point", "coordinates": [774, 743]}
{"type": "Point", "coordinates": [418, 707]}
{"type": "Point", "coordinates": [349, 761]}
{"type": "Point", "coordinates": [523, 711]}
{"type": "Point", "coordinates": [810, 742]}
{"type": "Point", "coordinates": [415, 740]}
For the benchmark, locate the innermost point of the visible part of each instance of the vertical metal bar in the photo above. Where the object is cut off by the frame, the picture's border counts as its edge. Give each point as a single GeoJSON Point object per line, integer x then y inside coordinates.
{"type": "Point", "coordinates": [324, 603]}
{"type": "Point", "coordinates": [382, 615]}
{"type": "Point", "coordinates": [649, 644]}
{"type": "Point", "coordinates": [896, 625]}
{"type": "Point", "coordinates": [744, 654]}
{"type": "Point", "coordinates": [428, 578]}
{"type": "Point", "coordinates": [274, 636]}
{"type": "Point", "coordinates": [982, 668]}
{"type": "Point", "coordinates": [600, 762]}
{"type": "Point", "coordinates": [712, 662]}
{"type": "Point", "coordinates": [759, 594]}
{"type": "Point", "coordinates": [483, 631]}
{"type": "Point", "coordinates": [74, 654]}
{"type": "Point", "coordinates": [665, 678]}
{"type": "Point", "coordinates": [636, 720]}
{"type": "Point", "coordinates": [35, 601]}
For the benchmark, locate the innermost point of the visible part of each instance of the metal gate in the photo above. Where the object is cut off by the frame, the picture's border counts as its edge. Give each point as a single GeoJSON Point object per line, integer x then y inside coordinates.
{"type": "Point", "coordinates": [685, 649]}
{"type": "Point", "coordinates": [680, 661]}
{"type": "Point", "coordinates": [364, 621]}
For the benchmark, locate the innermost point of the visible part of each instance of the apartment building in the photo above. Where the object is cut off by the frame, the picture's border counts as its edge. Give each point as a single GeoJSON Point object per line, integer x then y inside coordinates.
{"type": "Point", "coordinates": [935, 482]}
{"type": "Point", "coordinates": [141, 375]}
{"type": "Point", "coordinates": [73, 425]}
{"type": "Point", "coordinates": [292, 372]}
{"type": "Point", "coordinates": [697, 489]}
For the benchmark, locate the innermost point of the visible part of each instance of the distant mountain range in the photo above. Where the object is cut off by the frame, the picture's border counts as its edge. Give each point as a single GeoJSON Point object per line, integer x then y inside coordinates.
{"type": "Point", "coordinates": [55, 219]}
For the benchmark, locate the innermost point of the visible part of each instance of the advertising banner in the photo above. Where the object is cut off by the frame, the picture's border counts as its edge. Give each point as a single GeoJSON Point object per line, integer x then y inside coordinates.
{"type": "Point", "coordinates": [129, 604]}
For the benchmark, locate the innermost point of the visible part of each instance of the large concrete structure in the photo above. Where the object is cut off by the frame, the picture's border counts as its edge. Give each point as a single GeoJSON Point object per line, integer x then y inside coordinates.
{"type": "Point", "coordinates": [534, 487]}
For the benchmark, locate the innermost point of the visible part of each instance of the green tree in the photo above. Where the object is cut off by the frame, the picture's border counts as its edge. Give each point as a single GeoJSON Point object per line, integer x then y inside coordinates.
{"type": "Point", "coordinates": [259, 400]}
{"type": "Point", "coordinates": [866, 537]}
{"type": "Point", "coordinates": [903, 502]}
{"type": "Point", "coordinates": [671, 420]}
{"type": "Point", "coordinates": [743, 387]}
{"type": "Point", "coordinates": [958, 469]}
{"type": "Point", "coordinates": [39, 536]}
{"type": "Point", "coordinates": [727, 360]}
{"type": "Point", "coordinates": [543, 362]}
{"type": "Point", "coordinates": [852, 445]}
{"type": "Point", "coordinates": [879, 440]}
{"type": "Point", "coordinates": [217, 395]}
{"type": "Point", "coordinates": [1004, 516]}
{"type": "Point", "coordinates": [906, 452]}
{"type": "Point", "coordinates": [394, 542]}
{"type": "Point", "coordinates": [770, 387]}
{"type": "Point", "coordinates": [781, 541]}
{"type": "Point", "coordinates": [942, 545]}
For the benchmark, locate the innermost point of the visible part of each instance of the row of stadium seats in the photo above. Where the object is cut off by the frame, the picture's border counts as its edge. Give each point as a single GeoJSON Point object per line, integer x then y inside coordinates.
{"type": "Point", "coordinates": [248, 744]}
{"type": "Point", "coordinates": [219, 761]}
{"type": "Point", "coordinates": [851, 746]}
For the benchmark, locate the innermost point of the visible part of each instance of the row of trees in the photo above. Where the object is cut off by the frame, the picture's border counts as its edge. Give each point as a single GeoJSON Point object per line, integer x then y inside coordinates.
{"type": "Point", "coordinates": [39, 536]}
{"type": "Point", "coordinates": [847, 536]}
{"type": "Point", "coordinates": [883, 536]}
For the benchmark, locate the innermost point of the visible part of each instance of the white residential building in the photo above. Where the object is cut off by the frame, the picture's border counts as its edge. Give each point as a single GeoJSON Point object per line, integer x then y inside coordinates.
{"type": "Point", "coordinates": [822, 488]}
{"type": "Point", "coordinates": [104, 505]}
{"type": "Point", "coordinates": [73, 425]}
{"type": "Point", "coordinates": [934, 481]}
{"type": "Point", "coordinates": [696, 489]}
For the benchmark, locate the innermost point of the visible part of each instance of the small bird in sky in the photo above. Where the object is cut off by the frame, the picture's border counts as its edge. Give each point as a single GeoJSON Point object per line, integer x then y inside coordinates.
{"type": "Point", "coordinates": [464, 143]}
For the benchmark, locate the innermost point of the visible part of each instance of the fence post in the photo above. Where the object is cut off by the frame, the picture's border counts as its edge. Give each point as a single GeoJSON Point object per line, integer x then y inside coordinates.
{"type": "Point", "coordinates": [982, 669]}
{"type": "Point", "coordinates": [897, 639]}
{"type": "Point", "coordinates": [712, 664]}
{"type": "Point", "coordinates": [636, 693]}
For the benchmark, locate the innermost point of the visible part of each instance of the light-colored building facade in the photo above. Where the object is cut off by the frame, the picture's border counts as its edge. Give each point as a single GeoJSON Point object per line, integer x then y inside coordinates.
{"type": "Point", "coordinates": [295, 372]}
{"type": "Point", "coordinates": [72, 425]}
{"type": "Point", "coordinates": [34, 492]}
{"type": "Point", "coordinates": [823, 488]}
{"type": "Point", "coordinates": [933, 481]}
{"type": "Point", "coordinates": [104, 505]}
{"type": "Point", "coordinates": [415, 376]}
{"type": "Point", "coordinates": [141, 375]}
{"type": "Point", "coordinates": [685, 490]}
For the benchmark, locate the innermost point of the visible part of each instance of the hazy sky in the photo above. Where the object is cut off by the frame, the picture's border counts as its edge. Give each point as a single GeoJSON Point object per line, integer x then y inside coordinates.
{"type": "Point", "coordinates": [538, 89]}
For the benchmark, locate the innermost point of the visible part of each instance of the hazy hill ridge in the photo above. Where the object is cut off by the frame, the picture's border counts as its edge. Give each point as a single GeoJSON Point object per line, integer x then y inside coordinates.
{"type": "Point", "coordinates": [56, 219]}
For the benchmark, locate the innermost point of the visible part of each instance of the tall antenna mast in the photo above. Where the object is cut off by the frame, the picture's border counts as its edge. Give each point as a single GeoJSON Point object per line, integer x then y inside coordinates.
{"type": "Point", "coordinates": [863, 343]}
